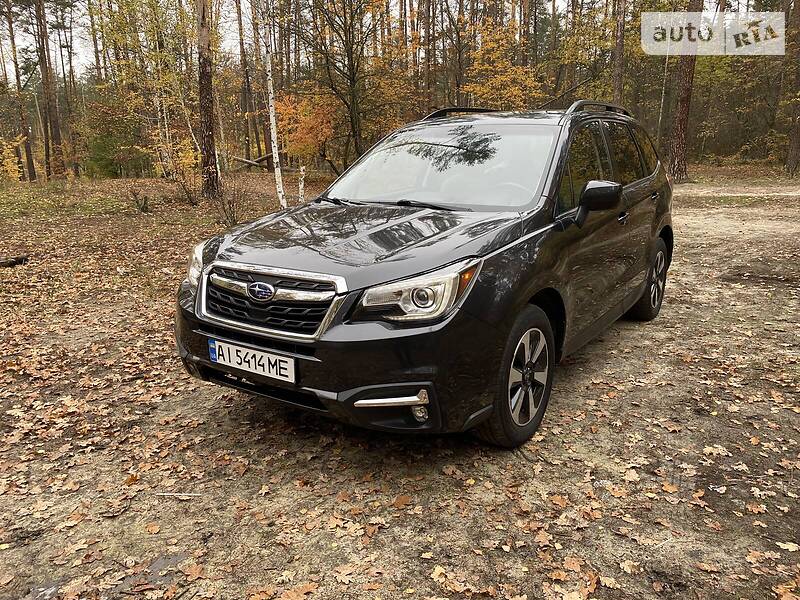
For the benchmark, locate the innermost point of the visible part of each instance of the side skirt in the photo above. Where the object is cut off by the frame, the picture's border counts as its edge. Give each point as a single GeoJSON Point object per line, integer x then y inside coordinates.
{"type": "Point", "coordinates": [582, 338]}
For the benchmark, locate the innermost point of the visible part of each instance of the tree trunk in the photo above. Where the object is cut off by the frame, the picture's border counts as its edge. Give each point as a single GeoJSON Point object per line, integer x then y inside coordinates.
{"type": "Point", "coordinates": [24, 129]}
{"type": "Point", "coordinates": [49, 92]}
{"type": "Point", "coordinates": [67, 104]}
{"type": "Point", "coordinates": [619, 51]}
{"type": "Point", "coordinates": [257, 106]}
{"type": "Point", "coordinates": [792, 86]}
{"type": "Point", "coordinates": [273, 125]}
{"type": "Point", "coordinates": [244, 103]}
{"type": "Point", "coordinates": [98, 69]}
{"type": "Point", "coordinates": [677, 145]}
{"type": "Point", "coordinates": [212, 186]}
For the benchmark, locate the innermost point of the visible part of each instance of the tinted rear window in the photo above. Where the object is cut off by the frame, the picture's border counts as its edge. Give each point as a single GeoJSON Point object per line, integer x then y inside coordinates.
{"type": "Point", "coordinates": [624, 152]}
{"type": "Point", "coordinates": [648, 151]}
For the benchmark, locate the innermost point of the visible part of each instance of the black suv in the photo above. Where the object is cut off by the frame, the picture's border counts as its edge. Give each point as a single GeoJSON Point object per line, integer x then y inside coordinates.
{"type": "Point", "coordinates": [436, 283]}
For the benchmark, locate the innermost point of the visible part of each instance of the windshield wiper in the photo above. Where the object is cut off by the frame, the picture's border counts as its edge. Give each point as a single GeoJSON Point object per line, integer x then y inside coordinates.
{"type": "Point", "coordinates": [420, 204]}
{"type": "Point", "coordinates": [336, 201]}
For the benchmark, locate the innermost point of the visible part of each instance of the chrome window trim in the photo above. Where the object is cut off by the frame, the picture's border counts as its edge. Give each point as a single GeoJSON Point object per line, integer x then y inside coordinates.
{"type": "Point", "coordinates": [202, 313]}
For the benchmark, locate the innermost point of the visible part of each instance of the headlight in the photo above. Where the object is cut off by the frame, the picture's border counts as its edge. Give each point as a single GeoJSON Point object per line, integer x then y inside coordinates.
{"type": "Point", "coordinates": [420, 298]}
{"type": "Point", "coordinates": [196, 265]}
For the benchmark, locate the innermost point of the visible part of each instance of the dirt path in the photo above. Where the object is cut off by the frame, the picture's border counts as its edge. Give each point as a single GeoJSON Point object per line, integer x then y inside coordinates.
{"type": "Point", "coordinates": [667, 465]}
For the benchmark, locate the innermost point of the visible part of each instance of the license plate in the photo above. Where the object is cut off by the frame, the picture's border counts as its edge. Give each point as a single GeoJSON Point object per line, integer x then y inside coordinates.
{"type": "Point", "coordinates": [252, 361]}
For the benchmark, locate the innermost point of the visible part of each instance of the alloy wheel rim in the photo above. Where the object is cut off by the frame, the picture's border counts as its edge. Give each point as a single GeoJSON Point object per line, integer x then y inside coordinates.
{"type": "Point", "coordinates": [658, 278]}
{"type": "Point", "coordinates": [527, 377]}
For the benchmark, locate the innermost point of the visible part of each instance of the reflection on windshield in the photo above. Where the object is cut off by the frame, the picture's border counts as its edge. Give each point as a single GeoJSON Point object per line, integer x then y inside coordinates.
{"type": "Point", "coordinates": [468, 165]}
{"type": "Point", "coordinates": [466, 147]}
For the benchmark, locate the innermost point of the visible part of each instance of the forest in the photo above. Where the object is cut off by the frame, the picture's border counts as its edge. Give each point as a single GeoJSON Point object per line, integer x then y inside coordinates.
{"type": "Point", "coordinates": [667, 463]}
{"type": "Point", "coordinates": [181, 90]}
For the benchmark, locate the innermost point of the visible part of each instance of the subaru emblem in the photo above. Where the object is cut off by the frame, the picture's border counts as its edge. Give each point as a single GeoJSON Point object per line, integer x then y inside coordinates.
{"type": "Point", "coordinates": [260, 291]}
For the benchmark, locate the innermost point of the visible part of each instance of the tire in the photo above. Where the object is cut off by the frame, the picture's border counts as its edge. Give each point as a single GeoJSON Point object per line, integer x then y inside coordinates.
{"type": "Point", "coordinates": [507, 427]}
{"type": "Point", "coordinates": [649, 305]}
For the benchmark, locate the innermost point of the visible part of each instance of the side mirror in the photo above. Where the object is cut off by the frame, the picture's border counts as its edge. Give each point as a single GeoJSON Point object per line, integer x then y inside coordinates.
{"type": "Point", "coordinates": [597, 195]}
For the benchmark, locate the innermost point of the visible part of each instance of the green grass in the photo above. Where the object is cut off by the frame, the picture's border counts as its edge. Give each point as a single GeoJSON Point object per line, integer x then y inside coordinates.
{"type": "Point", "coordinates": [58, 199]}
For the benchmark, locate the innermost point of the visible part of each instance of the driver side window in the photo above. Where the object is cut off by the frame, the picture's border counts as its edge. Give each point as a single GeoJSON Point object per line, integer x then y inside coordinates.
{"type": "Point", "coordinates": [582, 166]}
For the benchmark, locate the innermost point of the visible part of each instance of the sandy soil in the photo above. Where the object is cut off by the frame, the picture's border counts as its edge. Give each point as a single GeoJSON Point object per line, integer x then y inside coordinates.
{"type": "Point", "coordinates": [668, 465]}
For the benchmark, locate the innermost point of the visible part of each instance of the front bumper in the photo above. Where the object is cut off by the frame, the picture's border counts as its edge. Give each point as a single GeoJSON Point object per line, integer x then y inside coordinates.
{"type": "Point", "coordinates": [456, 362]}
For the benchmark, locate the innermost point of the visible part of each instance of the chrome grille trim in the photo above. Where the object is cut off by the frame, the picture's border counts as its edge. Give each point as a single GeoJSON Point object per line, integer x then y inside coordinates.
{"type": "Point", "coordinates": [292, 295]}
{"type": "Point", "coordinates": [338, 298]}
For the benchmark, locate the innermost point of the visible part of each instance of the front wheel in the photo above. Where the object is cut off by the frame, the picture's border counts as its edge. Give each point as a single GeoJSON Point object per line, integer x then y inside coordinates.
{"type": "Point", "coordinates": [524, 381]}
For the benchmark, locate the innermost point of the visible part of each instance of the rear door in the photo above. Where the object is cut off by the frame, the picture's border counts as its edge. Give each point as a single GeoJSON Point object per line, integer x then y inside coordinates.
{"type": "Point", "coordinates": [637, 210]}
{"type": "Point", "coordinates": [592, 269]}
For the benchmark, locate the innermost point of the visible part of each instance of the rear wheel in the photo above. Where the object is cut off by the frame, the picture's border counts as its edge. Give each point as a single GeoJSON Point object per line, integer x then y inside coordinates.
{"type": "Point", "coordinates": [649, 305]}
{"type": "Point", "coordinates": [524, 381]}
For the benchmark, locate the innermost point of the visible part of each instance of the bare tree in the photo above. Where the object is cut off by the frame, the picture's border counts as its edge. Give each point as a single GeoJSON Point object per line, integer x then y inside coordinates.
{"type": "Point", "coordinates": [24, 128]}
{"type": "Point", "coordinates": [339, 34]}
{"type": "Point", "coordinates": [53, 122]}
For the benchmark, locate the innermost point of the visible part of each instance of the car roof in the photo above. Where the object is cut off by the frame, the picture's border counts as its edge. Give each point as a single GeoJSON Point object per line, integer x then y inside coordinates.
{"type": "Point", "coordinates": [534, 117]}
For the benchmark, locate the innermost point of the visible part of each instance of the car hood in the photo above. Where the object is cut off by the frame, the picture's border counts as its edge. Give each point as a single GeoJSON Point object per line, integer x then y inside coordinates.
{"type": "Point", "coordinates": [365, 244]}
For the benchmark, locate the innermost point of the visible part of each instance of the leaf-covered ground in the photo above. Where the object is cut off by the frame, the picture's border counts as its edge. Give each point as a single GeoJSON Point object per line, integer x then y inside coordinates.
{"type": "Point", "coordinates": [668, 465]}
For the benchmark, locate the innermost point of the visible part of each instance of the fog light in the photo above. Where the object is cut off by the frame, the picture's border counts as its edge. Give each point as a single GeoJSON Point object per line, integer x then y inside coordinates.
{"type": "Point", "coordinates": [420, 413]}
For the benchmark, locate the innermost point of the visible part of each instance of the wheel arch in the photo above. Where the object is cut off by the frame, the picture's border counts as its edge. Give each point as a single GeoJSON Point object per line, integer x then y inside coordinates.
{"type": "Point", "coordinates": [550, 301]}
{"type": "Point", "coordinates": [666, 234]}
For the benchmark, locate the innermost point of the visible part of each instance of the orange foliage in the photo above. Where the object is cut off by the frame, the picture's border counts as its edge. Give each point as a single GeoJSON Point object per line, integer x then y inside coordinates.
{"type": "Point", "coordinates": [305, 123]}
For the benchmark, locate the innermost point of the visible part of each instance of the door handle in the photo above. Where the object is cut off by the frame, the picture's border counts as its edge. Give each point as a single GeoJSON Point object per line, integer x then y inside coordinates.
{"type": "Point", "coordinates": [654, 196]}
{"type": "Point", "coordinates": [623, 218]}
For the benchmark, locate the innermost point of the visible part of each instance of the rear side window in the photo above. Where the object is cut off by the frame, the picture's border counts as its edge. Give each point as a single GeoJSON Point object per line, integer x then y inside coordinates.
{"type": "Point", "coordinates": [648, 151]}
{"type": "Point", "coordinates": [583, 165]}
{"type": "Point", "coordinates": [625, 153]}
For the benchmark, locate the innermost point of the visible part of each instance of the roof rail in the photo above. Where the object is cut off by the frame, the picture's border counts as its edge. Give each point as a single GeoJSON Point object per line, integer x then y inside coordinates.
{"type": "Point", "coordinates": [443, 112]}
{"type": "Point", "coordinates": [581, 104]}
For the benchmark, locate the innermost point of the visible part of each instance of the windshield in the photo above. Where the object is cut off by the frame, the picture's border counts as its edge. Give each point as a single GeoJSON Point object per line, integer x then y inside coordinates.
{"type": "Point", "coordinates": [476, 166]}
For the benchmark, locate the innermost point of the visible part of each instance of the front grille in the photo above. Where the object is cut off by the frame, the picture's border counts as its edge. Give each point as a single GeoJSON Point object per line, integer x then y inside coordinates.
{"type": "Point", "coordinates": [280, 315]}
{"type": "Point", "coordinates": [281, 282]}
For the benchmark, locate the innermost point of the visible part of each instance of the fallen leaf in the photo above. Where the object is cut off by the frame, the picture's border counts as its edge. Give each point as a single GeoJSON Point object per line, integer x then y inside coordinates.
{"type": "Point", "coordinates": [401, 501]}
{"type": "Point", "coordinates": [668, 487]}
{"type": "Point", "coordinates": [788, 546]}
{"type": "Point", "coordinates": [573, 563]}
{"type": "Point", "coordinates": [344, 574]}
{"type": "Point", "coordinates": [438, 574]}
{"type": "Point", "coordinates": [609, 582]}
{"type": "Point", "coordinates": [193, 572]}
{"type": "Point", "coordinates": [629, 566]}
